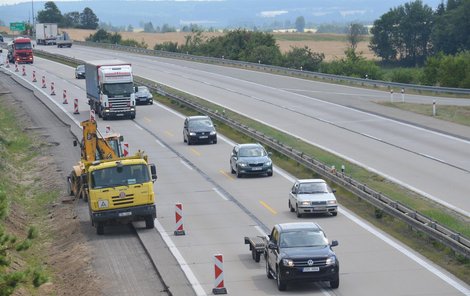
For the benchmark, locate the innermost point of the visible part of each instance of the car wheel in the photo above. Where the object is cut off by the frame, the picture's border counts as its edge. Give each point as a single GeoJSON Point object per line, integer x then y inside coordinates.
{"type": "Point", "coordinates": [335, 213]}
{"type": "Point", "coordinates": [290, 207]}
{"type": "Point", "coordinates": [189, 141]}
{"type": "Point", "coordinates": [299, 215]}
{"type": "Point", "coordinates": [268, 270]}
{"type": "Point", "coordinates": [214, 142]}
{"type": "Point", "coordinates": [270, 174]}
{"type": "Point", "coordinates": [232, 170]}
{"type": "Point", "coordinates": [184, 138]}
{"type": "Point", "coordinates": [334, 284]}
{"type": "Point", "coordinates": [239, 175]}
{"type": "Point", "coordinates": [151, 102]}
{"type": "Point", "coordinates": [281, 285]}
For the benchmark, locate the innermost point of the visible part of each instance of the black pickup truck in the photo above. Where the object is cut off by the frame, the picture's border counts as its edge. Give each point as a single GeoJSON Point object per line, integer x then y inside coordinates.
{"type": "Point", "coordinates": [297, 252]}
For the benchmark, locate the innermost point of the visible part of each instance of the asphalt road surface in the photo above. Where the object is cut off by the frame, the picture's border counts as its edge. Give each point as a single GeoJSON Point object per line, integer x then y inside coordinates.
{"type": "Point", "coordinates": [429, 156]}
{"type": "Point", "coordinates": [220, 210]}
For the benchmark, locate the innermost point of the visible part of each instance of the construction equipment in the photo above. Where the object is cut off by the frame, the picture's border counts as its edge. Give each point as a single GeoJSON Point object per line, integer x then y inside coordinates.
{"type": "Point", "coordinates": [118, 188]}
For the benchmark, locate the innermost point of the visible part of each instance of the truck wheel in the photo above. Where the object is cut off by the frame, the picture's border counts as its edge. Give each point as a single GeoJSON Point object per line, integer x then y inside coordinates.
{"type": "Point", "coordinates": [149, 222]}
{"type": "Point", "coordinates": [100, 228]}
{"type": "Point", "coordinates": [335, 213]}
{"type": "Point", "coordinates": [281, 284]}
{"type": "Point", "coordinates": [268, 270]}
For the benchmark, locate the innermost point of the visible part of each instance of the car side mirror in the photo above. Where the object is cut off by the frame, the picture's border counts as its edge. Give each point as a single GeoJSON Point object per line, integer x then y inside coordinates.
{"type": "Point", "coordinates": [334, 190]}
{"type": "Point", "coordinates": [75, 143]}
{"type": "Point", "coordinates": [272, 246]}
{"type": "Point", "coordinates": [334, 243]}
{"type": "Point", "coordinates": [270, 154]}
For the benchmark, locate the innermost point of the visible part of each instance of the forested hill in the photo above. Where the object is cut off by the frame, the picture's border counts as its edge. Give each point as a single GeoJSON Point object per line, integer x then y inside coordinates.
{"type": "Point", "coordinates": [219, 14]}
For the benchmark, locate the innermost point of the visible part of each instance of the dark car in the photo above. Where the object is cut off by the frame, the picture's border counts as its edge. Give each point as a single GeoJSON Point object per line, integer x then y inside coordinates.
{"type": "Point", "coordinates": [143, 95]}
{"type": "Point", "coordinates": [1, 38]}
{"type": "Point", "coordinates": [199, 129]}
{"type": "Point", "coordinates": [80, 72]}
{"type": "Point", "coordinates": [301, 252]}
{"type": "Point", "coordinates": [250, 159]}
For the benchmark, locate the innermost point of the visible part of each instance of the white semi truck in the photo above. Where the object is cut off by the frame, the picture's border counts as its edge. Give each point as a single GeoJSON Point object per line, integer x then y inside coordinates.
{"type": "Point", "coordinates": [110, 88]}
{"type": "Point", "coordinates": [46, 33]}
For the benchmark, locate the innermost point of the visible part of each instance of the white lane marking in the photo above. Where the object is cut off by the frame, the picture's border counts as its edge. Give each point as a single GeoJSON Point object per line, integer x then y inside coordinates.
{"type": "Point", "coordinates": [186, 164]}
{"type": "Point", "coordinates": [179, 258]}
{"type": "Point", "coordinates": [220, 193]}
{"type": "Point", "coordinates": [138, 126]}
{"type": "Point", "coordinates": [399, 247]}
{"type": "Point", "coordinates": [372, 137]}
{"type": "Point", "coordinates": [432, 157]}
{"type": "Point", "coordinates": [160, 143]}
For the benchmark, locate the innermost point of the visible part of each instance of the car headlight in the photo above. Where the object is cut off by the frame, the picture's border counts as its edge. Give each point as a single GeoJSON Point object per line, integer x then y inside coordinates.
{"type": "Point", "coordinates": [331, 261]}
{"type": "Point", "coordinates": [304, 203]}
{"type": "Point", "coordinates": [288, 262]}
{"type": "Point", "coordinates": [192, 134]}
{"type": "Point", "coordinates": [331, 202]}
{"type": "Point", "coordinates": [268, 163]}
{"type": "Point", "coordinates": [213, 133]}
{"type": "Point", "coordinates": [242, 164]}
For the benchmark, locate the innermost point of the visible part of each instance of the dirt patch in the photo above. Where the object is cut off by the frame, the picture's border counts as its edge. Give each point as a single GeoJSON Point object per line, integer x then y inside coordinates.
{"type": "Point", "coordinates": [331, 49]}
{"type": "Point", "coordinates": [61, 247]}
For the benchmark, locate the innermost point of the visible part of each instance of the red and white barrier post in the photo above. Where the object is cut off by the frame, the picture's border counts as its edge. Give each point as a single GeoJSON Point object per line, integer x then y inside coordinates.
{"type": "Point", "coordinates": [92, 115]}
{"type": "Point", "coordinates": [64, 96]}
{"type": "Point", "coordinates": [108, 129]}
{"type": "Point", "coordinates": [34, 76]}
{"type": "Point", "coordinates": [75, 106]}
{"type": "Point", "coordinates": [43, 81]}
{"type": "Point", "coordinates": [8, 64]}
{"type": "Point", "coordinates": [24, 70]}
{"type": "Point", "coordinates": [219, 275]}
{"type": "Point", "coordinates": [179, 219]}
{"type": "Point", "coordinates": [16, 67]}
{"type": "Point", "coordinates": [125, 148]}
{"type": "Point", "coordinates": [52, 89]}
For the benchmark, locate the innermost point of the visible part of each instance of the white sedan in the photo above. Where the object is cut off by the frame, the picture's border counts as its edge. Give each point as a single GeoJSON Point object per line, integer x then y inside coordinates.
{"type": "Point", "coordinates": [310, 196]}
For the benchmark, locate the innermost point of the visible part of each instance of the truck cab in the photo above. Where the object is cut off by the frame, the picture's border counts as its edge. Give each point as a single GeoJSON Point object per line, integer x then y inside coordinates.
{"type": "Point", "coordinates": [300, 252]}
{"type": "Point", "coordinates": [20, 50]}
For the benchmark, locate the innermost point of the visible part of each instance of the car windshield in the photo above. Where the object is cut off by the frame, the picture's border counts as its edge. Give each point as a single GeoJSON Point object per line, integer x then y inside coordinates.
{"type": "Point", "coordinates": [120, 176]}
{"type": "Point", "coordinates": [118, 89]}
{"type": "Point", "coordinates": [302, 238]}
{"type": "Point", "coordinates": [81, 68]}
{"type": "Point", "coordinates": [313, 187]}
{"type": "Point", "coordinates": [251, 152]}
{"type": "Point", "coordinates": [200, 123]}
{"type": "Point", "coordinates": [142, 89]}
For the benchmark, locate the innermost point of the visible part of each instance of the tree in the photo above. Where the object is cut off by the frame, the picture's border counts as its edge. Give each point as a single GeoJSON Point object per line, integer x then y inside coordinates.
{"type": "Point", "coordinates": [303, 58]}
{"type": "Point", "coordinates": [130, 28]}
{"type": "Point", "coordinates": [148, 27]}
{"type": "Point", "coordinates": [355, 33]}
{"type": "Point", "coordinates": [300, 24]}
{"type": "Point", "coordinates": [88, 19]}
{"type": "Point", "coordinates": [403, 34]}
{"type": "Point", "coordinates": [71, 20]}
{"type": "Point", "coordinates": [50, 14]}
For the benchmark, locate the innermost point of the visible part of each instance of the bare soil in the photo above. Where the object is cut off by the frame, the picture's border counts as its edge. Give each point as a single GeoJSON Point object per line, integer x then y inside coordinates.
{"type": "Point", "coordinates": [61, 247]}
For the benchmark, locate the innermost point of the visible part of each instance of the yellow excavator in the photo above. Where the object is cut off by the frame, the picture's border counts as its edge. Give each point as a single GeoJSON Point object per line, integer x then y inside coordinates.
{"type": "Point", "coordinates": [117, 188]}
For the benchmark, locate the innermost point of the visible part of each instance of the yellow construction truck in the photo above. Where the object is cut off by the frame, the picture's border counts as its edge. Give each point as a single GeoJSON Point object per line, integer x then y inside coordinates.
{"type": "Point", "coordinates": [118, 188]}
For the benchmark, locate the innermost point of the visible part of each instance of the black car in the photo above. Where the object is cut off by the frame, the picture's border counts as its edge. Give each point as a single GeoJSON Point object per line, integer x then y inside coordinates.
{"type": "Point", "coordinates": [199, 129]}
{"type": "Point", "coordinates": [301, 252]}
{"type": "Point", "coordinates": [250, 159]}
{"type": "Point", "coordinates": [80, 72]}
{"type": "Point", "coordinates": [1, 38]}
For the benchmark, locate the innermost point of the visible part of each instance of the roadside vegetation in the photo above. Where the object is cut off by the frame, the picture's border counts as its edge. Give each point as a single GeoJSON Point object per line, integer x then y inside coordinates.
{"type": "Point", "coordinates": [21, 209]}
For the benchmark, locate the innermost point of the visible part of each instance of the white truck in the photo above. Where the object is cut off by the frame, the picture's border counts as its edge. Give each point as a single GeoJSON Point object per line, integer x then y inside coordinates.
{"type": "Point", "coordinates": [110, 88]}
{"type": "Point", "coordinates": [63, 40]}
{"type": "Point", "coordinates": [46, 33]}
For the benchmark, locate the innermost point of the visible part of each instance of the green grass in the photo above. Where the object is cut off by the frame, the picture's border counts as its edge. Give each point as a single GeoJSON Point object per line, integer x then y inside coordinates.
{"type": "Point", "coordinates": [433, 250]}
{"type": "Point", "coordinates": [456, 114]}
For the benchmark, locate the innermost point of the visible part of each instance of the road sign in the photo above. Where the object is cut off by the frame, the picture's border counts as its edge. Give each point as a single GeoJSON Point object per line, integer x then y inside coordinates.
{"type": "Point", "coordinates": [17, 27]}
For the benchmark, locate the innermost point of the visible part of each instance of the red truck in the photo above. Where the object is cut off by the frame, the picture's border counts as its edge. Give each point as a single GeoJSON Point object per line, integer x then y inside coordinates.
{"type": "Point", "coordinates": [20, 50]}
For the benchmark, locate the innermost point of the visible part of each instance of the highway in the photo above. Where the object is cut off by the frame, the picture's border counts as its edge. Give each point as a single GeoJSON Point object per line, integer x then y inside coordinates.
{"type": "Point", "coordinates": [339, 119]}
{"type": "Point", "coordinates": [219, 210]}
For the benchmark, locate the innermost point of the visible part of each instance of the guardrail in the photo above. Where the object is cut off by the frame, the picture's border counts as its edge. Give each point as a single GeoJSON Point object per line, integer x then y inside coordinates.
{"type": "Point", "coordinates": [416, 220]}
{"type": "Point", "coordinates": [280, 70]}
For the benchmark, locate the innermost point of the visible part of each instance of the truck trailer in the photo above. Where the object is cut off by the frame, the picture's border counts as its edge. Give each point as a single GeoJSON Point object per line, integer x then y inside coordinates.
{"type": "Point", "coordinates": [46, 33]}
{"type": "Point", "coordinates": [110, 88]}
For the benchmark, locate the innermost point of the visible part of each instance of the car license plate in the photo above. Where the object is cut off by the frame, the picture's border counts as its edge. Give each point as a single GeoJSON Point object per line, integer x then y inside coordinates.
{"type": "Point", "coordinates": [257, 168]}
{"type": "Point", "coordinates": [120, 114]}
{"type": "Point", "coordinates": [311, 269]}
{"type": "Point", "coordinates": [203, 137]}
{"type": "Point", "coordinates": [125, 214]}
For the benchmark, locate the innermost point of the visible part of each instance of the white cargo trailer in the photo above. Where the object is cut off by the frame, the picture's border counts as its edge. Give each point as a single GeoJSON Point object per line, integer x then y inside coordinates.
{"type": "Point", "coordinates": [46, 33]}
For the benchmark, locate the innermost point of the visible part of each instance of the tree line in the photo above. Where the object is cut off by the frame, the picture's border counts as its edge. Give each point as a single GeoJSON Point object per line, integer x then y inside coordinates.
{"type": "Point", "coordinates": [86, 19]}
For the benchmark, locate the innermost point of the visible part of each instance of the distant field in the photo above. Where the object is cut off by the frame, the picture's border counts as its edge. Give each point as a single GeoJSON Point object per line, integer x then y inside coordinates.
{"type": "Point", "coordinates": [331, 45]}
